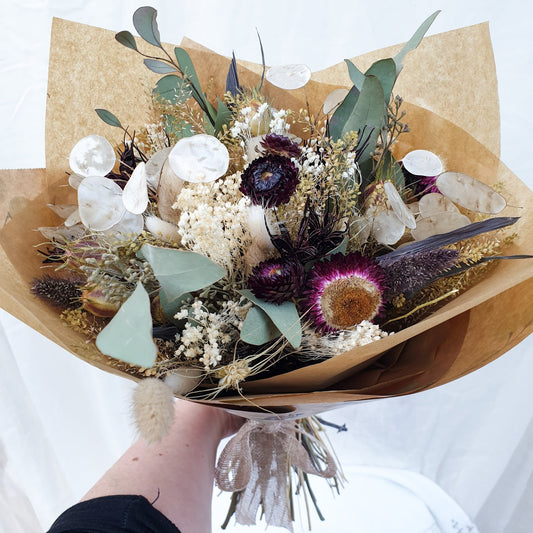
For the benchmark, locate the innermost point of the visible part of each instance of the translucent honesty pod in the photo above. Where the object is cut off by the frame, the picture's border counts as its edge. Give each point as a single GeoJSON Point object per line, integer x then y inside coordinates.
{"type": "Point", "coordinates": [387, 228]}
{"type": "Point", "coordinates": [439, 223]}
{"type": "Point", "coordinates": [183, 380]}
{"type": "Point", "coordinates": [154, 166]}
{"type": "Point", "coordinates": [433, 203]}
{"type": "Point", "coordinates": [470, 193]}
{"type": "Point", "coordinates": [100, 203]}
{"type": "Point", "coordinates": [422, 163]}
{"type": "Point", "coordinates": [289, 77]}
{"type": "Point", "coordinates": [92, 156]}
{"type": "Point", "coordinates": [333, 100]}
{"type": "Point", "coordinates": [398, 205]}
{"type": "Point", "coordinates": [199, 159]}
{"type": "Point", "coordinates": [135, 194]}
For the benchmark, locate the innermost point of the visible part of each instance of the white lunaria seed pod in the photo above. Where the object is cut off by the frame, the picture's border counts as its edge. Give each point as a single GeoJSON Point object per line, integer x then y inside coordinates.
{"type": "Point", "coordinates": [153, 409]}
{"type": "Point", "coordinates": [183, 380]}
{"type": "Point", "coordinates": [135, 193]}
{"type": "Point", "coordinates": [199, 159]}
{"type": "Point", "coordinates": [289, 77]}
{"type": "Point", "coordinates": [333, 100]}
{"type": "Point", "coordinates": [92, 156]}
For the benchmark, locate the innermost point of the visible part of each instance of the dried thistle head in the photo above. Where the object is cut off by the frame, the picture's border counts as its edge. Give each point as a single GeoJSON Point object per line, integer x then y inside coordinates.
{"type": "Point", "coordinates": [63, 293]}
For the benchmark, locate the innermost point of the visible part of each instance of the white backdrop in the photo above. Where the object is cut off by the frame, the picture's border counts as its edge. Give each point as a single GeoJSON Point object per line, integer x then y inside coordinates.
{"type": "Point", "coordinates": [438, 461]}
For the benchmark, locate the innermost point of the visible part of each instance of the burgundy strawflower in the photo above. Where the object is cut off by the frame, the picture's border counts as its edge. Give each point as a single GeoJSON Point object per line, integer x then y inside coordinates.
{"type": "Point", "coordinates": [280, 145]}
{"type": "Point", "coordinates": [342, 292]}
{"type": "Point", "coordinates": [269, 181]}
{"type": "Point", "coordinates": [276, 280]}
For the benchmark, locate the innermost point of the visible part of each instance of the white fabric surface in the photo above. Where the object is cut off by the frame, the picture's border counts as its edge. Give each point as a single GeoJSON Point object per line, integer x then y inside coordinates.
{"type": "Point", "coordinates": [429, 462]}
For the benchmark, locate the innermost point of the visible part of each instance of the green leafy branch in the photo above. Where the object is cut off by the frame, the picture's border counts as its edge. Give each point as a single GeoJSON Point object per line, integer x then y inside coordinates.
{"type": "Point", "coordinates": [364, 109]}
{"type": "Point", "coordinates": [179, 73]}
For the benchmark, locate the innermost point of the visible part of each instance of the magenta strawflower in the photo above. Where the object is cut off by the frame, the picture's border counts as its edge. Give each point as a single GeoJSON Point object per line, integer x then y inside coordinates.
{"type": "Point", "coordinates": [269, 181]}
{"type": "Point", "coordinates": [277, 280]}
{"type": "Point", "coordinates": [343, 292]}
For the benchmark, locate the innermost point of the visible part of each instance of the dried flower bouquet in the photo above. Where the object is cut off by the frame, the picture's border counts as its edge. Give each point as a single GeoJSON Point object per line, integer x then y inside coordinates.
{"type": "Point", "coordinates": [266, 239]}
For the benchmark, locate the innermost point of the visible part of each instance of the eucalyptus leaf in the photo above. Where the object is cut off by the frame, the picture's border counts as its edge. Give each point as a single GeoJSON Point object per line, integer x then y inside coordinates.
{"type": "Point", "coordinates": [144, 20]}
{"type": "Point", "coordinates": [385, 72]}
{"type": "Point", "coordinates": [392, 171]}
{"type": "Point", "coordinates": [342, 114]}
{"type": "Point", "coordinates": [368, 113]}
{"type": "Point", "coordinates": [125, 38]}
{"type": "Point", "coordinates": [223, 115]}
{"type": "Point", "coordinates": [128, 336]}
{"type": "Point", "coordinates": [257, 328]}
{"type": "Point", "coordinates": [414, 41]}
{"type": "Point", "coordinates": [284, 316]}
{"type": "Point", "coordinates": [172, 306]}
{"type": "Point", "coordinates": [159, 67]}
{"type": "Point", "coordinates": [189, 72]}
{"type": "Point", "coordinates": [109, 118]}
{"type": "Point", "coordinates": [179, 272]}
{"type": "Point", "coordinates": [341, 248]}
{"type": "Point", "coordinates": [173, 89]}
{"type": "Point", "coordinates": [366, 168]}
{"type": "Point", "coordinates": [178, 128]}
{"type": "Point", "coordinates": [357, 77]}
{"type": "Point", "coordinates": [187, 67]}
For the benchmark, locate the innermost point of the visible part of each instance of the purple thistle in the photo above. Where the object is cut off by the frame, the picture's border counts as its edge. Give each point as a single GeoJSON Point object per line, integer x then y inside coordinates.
{"type": "Point", "coordinates": [60, 292]}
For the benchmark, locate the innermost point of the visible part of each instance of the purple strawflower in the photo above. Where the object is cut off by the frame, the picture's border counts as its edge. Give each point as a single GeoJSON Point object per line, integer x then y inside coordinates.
{"type": "Point", "coordinates": [277, 280]}
{"type": "Point", "coordinates": [280, 145]}
{"type": "Point", "coordinates": [269, 181]}
{"type": "Point", "coordinates": [342, 292]}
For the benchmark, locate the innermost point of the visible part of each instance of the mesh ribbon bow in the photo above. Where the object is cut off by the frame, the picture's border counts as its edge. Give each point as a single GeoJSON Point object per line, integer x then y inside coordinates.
{"type": "Point", "coordinates": [257, 462]}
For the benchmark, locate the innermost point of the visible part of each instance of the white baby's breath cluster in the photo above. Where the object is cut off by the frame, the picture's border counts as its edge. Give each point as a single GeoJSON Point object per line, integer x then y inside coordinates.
{"type": "Point", "coordinates": [311, 160]}
{"type": "Point", "coordinates": [214, 219]}
{"type": "Point", "coordinates": [363, 333]}
{"type": "Point", "coordinates": [351, 171]}
{"type": "Point", "coordinates": [242, 125]}
{"type": "Point", "coordinates": [331, 345]}
{"type": "Point", "coordinates": [278, 122]}
{"type": "Point", "coordinates": [207, 335]}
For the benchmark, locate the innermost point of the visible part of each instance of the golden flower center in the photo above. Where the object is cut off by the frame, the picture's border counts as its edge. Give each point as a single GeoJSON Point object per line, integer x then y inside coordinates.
{"type": "Point", "coordinates": [347, 302]}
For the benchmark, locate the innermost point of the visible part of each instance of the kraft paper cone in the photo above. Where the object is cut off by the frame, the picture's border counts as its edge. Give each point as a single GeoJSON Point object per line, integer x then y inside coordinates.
{"type": "Point", "coordinates": [460, 337]}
